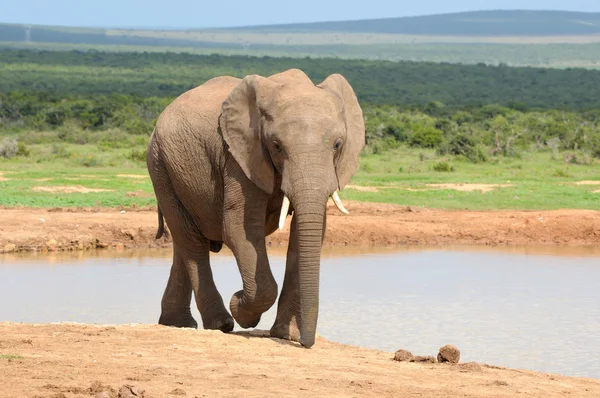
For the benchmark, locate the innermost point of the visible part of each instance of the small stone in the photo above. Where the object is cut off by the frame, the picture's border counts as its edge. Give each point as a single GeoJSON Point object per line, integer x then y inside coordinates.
{"type": "Point", "coordinates": [9, 248]}
{"type": "Point", "coordinates": [421, 359]}
{"type": "Point", "coordinates": [403, 356]}
{"type": "Point", "coordinates": [449, 353]}
{"type": "Point", "coordinates": [470, 367]}
{"type": "Point", "coordinates": [103, 394]}
{"type": "Point", "coordinates": [119, 246]}
{"type": "Point", "coordinates": [51, 242]}
{"type": "Point", "coordinates": [128, 391]}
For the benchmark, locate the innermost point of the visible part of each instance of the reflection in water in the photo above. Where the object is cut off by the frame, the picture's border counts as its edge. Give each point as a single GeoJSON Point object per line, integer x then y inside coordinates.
{"type": "Point", "coordinates": [515, 308]}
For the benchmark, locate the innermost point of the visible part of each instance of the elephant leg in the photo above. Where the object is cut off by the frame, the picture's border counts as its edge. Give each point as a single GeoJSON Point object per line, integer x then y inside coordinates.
{"type": "Point", "coordinates": [190, 271]}
{"type": "Point", "coordinates": [175, 304]}
{"type": "Point", "coordinates": [288, 319]}
{"type": "Point", "coordinates": [208, 300]}
{"type": "Point", "coordinates": [244, 233]}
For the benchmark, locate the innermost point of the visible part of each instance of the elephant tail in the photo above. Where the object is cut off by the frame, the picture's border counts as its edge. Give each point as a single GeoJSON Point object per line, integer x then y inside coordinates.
{"type": "Point", "coordinates": [161, 226]}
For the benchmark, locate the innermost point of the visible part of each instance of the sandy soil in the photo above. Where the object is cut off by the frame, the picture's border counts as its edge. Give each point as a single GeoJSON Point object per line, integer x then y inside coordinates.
{"type": "Point", "coordinates": [69, 189]}
{"type": "Point", "coordinates": [70, 360]}
{"type": "Point", "coordinates": [368, 225]}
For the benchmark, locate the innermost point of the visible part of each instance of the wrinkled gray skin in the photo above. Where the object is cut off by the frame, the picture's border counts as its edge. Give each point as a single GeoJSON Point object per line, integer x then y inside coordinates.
{"type": "Point", "coordinates": [221, 158]}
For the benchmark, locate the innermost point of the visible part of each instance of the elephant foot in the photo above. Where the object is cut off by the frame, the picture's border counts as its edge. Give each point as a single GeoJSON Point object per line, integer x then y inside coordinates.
{"type": "Point", "coordinates": [223, 322]}
{"type": "Point", "coordinates": [178, 321]}
{"type": "Point", "coordinates": [286, 331]}
{"type": "Point", "coordinates": [246, 319]}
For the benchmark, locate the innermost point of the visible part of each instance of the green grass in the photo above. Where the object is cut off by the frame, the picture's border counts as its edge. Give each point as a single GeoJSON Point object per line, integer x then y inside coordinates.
{"type": "Point", "coordinates": [70, 165]}
{"type": "Point", "coordinates": [8, 356]}
{"type": "Point", "coordinates": [539, 182]}
{"type": "Point", "coordinates": [400, 176]}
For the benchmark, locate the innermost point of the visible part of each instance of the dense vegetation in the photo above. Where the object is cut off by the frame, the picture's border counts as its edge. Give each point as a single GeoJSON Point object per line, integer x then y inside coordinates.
{"type": "Point", "coordinates": [469, 111]}
{"type": "Point", "coordinates": [403, 83]}
{"type": "Point", "coordinates": [474, 134]}
{"type": "Point", "coordinates": [63, 113]}
{"type": "Point", "coordinates": [477, 23]}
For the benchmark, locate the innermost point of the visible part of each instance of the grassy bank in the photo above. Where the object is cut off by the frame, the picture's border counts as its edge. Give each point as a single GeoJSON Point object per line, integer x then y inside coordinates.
{"type": "Point", "coordinates": [58, 174]}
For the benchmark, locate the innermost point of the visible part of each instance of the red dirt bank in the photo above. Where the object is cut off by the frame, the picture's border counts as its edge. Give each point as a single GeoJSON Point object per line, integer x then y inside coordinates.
{"type": "Point", "coordinates": [369, 224]}
{"type": "Point", "coordinates": [67, 360]}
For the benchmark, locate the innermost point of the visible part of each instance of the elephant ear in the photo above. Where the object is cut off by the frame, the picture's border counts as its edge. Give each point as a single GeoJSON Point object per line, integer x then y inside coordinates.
{"type": "Point", "coordinates": [240, 123]}
{"type": "Point", "coordinates": [355, 127]}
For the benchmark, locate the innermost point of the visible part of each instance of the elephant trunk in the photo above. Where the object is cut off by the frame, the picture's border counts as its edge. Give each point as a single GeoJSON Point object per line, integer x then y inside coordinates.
{"type": "Point", "coordinates": [309, 207]}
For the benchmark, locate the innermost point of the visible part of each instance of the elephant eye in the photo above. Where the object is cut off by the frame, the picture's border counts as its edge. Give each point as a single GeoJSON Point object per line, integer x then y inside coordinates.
{"type": "Point", "coordinates": [277, 146]}
{"type": "Point", "coordinates": [337, 145]}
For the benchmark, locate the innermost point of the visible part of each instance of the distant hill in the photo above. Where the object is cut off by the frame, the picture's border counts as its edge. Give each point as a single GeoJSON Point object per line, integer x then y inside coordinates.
{"type": "Point", "coordinates": [476, 23]}
{"type": "Point", "coordinates": [524, 38]}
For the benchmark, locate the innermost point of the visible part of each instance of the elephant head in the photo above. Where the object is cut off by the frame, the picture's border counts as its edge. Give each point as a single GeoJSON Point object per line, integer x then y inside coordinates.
{"type": "Point", "coordinates": [311, 136]}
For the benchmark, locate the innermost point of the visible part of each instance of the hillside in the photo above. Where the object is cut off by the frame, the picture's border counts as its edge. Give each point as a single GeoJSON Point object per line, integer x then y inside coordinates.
{"type": "Point", "coordinates": [519, 38]}
{"type": "Point", "coordinates": [375, 82]}
{"type": "Point", "coordinates": [477, 23]}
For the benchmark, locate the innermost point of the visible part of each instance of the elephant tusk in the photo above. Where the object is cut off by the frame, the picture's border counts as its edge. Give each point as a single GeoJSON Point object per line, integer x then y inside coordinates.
{"type": "Point", "coordinates": [285, 207]}
{"type": "Point", "coordinates": [338, 203]}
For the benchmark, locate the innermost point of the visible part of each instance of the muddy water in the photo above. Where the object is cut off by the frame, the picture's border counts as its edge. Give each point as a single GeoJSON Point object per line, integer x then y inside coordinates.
{"type": "Point", "coordinates": [533, 308]}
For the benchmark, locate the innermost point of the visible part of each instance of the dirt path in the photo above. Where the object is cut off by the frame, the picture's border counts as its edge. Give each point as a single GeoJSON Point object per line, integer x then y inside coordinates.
{"type": "Point", "coordinates": [69, 360]}
{"type": "Point", "coordinates": [369, 224]}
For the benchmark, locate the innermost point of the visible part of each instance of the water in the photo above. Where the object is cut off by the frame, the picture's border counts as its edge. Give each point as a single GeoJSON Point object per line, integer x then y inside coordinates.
{"type": "Point", "coordinates": [528, 308]}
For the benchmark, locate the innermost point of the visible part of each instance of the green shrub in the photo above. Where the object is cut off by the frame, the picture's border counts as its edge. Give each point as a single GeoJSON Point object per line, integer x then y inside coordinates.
{"type": "Point", "coordinates": [138, 155]}
{"type": "Point", "coordinates": [561, 173]}
{"type": "Point", "coordinates": [23, 150]}
{"type": "Point", "coordinates": [443, 167]}
{"type": "Point", "coordinates": [60, 151]}
{"type": "Point", "coordinates": [426, 137]}
{"type": "Point", "coordinates": [578, 157]}
{"type": "Point", "coordinates": [366, 167]}
{"type": "Point", "coordinates": [89, 160]}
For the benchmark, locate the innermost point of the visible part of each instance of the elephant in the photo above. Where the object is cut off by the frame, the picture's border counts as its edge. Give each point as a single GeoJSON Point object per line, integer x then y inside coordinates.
{"type": "Point", "coordinates": [229, 160]}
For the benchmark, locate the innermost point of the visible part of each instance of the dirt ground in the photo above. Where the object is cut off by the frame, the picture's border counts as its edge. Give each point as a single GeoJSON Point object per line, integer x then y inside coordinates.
{"type": "Point", "coordinates": [368, 225]}
{"type": "Point", "coordinates": [71, 360]}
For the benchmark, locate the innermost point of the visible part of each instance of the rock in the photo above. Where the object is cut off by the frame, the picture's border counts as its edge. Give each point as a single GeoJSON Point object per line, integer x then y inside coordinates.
{"type": "Point", "coordinates": [449, 353]}
{"type": "Point", "coordinates": [403, 356]}
{"type": "Point", "coordinates": [470, 367]}
{"type": "Point", "coordinates": [128, 391]}
{"type": "Point", "coordinates": [129, 233]}
{"type": "Point", "coordinates": [421, 359]}
{"type": "Point", "coordinates": [51, 242]}
{"type": "Point", "coordinates": [103, 394]}
{"type": "Point", "coordinates": [9, 248]}
{"type": "Point", "coordinates": [120, 246]}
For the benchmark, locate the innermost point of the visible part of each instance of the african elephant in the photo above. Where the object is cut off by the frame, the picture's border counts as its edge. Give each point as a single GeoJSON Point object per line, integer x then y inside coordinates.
{"type": "Point", "coordinates": [229, 160]}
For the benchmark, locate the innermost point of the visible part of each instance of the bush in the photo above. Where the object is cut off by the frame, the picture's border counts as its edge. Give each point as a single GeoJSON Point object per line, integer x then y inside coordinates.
{"type": "Point", "coordinates": [366, 167]}
{"type": "Point", "coordinates": [89, 161]}
{"type": "Point", "coordinates": [138, 155]}
{"type": "Point", "coordinates": [578, 157]}
{"type": "Point", "coordinates": [595, 146]}
{"type": "Point", "coordinates": [426, 137]}
{"type": "Point", "coordinates": [8, 149]}
{"type": "Point", "coordinates": [443, 167]}
{"type": "Point", "coordinates": [22, 150]}
{"type": "Point", "coordinates": [562, 173]}
{"type": "Point", "coordinates": [60, 151]}
{"type": "Point", "coordinates": [461, 145]}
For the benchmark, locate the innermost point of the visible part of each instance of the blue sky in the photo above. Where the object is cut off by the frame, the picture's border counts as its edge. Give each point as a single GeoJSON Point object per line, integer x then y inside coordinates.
{"type": "Point", "coordinates": [211, 13]}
